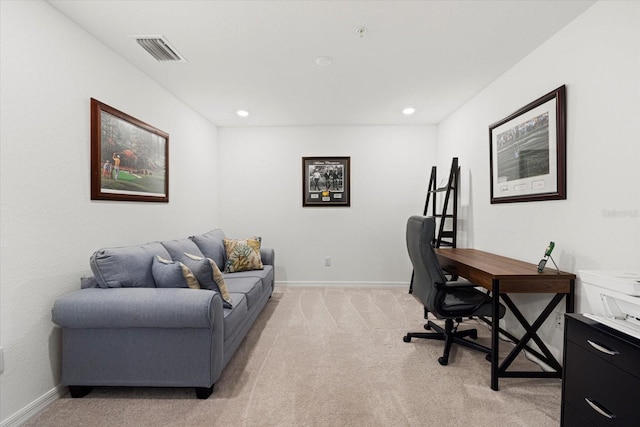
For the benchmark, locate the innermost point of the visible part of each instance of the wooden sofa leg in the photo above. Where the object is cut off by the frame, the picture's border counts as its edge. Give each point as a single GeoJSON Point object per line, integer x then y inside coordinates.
{"type": "Point", "coordinates": [78, 391]}
{"type": "Point", "coordinates": [204, 392]}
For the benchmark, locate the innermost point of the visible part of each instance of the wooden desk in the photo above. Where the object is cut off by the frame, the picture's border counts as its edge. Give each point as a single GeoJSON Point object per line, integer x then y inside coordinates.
{"type": "Point", "coordinates": [502, 276]}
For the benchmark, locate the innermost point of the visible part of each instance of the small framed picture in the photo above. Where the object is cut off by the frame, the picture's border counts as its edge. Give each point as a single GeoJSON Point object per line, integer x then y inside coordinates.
{"type": "Point", "coordinates": [528, 152]}
{"type": "Point", "coordinates": [129, 158]}
{"type": "Point", "coordinates": [326, 181]}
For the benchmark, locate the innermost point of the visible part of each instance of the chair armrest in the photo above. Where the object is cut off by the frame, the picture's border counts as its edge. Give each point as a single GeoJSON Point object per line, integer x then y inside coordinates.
{"type": "Point", "coordinates": [268, 256]}
{"type": "Point", "coordinates": [137, 308]}
{"type": "Point", "coordinates": [461, 283]}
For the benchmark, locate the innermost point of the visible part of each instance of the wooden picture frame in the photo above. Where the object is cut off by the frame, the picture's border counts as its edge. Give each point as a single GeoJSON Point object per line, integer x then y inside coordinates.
{"type": "Point", "coordinates": [528, 152]}
{"type": "Point", "coordinates": [326, 181]}
{"type": "Point", "coordinates": [129, 158]}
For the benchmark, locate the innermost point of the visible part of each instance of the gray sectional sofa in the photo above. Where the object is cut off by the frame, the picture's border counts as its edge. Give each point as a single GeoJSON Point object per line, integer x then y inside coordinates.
{"type": "Point", "coordinates": [132, 324]}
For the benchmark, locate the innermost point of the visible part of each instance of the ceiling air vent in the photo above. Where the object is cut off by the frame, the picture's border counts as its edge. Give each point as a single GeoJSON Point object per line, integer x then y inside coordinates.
{"type": "Point", "coordinates": [159, 48]}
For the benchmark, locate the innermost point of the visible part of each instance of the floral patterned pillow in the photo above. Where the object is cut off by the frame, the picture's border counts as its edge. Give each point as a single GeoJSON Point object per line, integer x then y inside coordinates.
{"type": "Point", "coordinates": [243, 254]}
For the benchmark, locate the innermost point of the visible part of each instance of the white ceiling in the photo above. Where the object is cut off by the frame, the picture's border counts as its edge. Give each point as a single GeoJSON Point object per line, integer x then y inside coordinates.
{"type": "Point", "coordinates": [260, 55]}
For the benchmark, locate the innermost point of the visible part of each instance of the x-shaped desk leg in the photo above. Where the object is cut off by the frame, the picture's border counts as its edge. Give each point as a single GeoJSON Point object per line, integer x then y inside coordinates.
{"type": "Point", "coordinates": [531, 333]}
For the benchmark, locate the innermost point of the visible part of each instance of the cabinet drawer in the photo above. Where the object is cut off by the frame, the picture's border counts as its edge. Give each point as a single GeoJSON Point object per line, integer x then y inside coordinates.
{"type": "Point", "coordinates": [626, 354]}
{"type": "Point", "coordinates": [572, 418]}
{"type": "Point", "coordinates": [607, 387]}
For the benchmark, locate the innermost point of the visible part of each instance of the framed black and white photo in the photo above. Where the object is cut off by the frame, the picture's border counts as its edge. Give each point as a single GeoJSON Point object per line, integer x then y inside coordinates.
{"type": "Point", "coordinates": [326, 181]}
{"type": "Point", "coordinates": [129, 158]}
{"type": "Point", "coordinates": [528, 152]}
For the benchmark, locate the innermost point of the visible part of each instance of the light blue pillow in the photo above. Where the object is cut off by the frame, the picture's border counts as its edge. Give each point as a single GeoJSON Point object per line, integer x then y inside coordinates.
{"type": "Point", "coordinates": [170, 274]}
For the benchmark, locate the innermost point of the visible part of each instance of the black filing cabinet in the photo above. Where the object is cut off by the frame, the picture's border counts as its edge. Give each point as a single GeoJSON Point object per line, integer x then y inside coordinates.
{"type": "Point", "coordinates": [601, 375]}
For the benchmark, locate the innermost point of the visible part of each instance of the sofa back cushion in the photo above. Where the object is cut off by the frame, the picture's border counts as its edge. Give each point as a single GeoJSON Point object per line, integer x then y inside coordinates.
{"type": "Point", "coordinates": [178, 248]}
{"type": "Point", "coordinates": [212, 246]}
{"type": "Point", "coordinates": [126, 267]}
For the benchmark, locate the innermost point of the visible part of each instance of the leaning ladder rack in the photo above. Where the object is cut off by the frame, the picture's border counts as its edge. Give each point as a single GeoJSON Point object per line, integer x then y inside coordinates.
{"type": "Point", "coordinates": [444, 236]}
{"type": "Point", "coordinates": [447, 216]}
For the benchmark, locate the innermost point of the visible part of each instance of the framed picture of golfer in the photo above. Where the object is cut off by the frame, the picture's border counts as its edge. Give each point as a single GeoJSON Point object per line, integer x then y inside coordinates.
{"type": "Point", "coordinates": [528, 152]}
{"type": "Point", "coordinates": [326, 181]}
{"type": "Point", "coordinates": [129, 158]}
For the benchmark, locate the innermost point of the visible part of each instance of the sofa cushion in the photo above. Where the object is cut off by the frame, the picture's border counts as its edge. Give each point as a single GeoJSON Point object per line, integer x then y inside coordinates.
{"type": "Point", "coordinates": [126, 267]}
{"type": "Point", "coordinates": [266, 275]}
{"type": "Point", "coordinates": [178, 248]}
{"type": "Point", "coordinates": [212, 246]}
{"type": "Point", "coordinates": [236, 316]}
{"type": "Point", "coordinates": [172, 274]}
{"type": "Point", "coordinates": [251, 287]}
{"type": "Point", "coordinates": [217, 276]}
{"type": "Point", "coordinates": [242, 254]}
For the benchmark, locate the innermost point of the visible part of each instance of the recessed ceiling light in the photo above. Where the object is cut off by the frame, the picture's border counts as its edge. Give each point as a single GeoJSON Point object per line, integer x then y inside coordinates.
{"type": "Point", "coordinates": [408, 111]}
{"type": "Point", "coordinates": [323, 61]}
{"type": "Point", "coordinates": [242, 113]}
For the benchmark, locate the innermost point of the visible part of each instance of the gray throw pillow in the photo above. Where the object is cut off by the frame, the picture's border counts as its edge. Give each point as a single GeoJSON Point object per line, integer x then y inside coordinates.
{"type": "Point", "coordinates": [203, 271]}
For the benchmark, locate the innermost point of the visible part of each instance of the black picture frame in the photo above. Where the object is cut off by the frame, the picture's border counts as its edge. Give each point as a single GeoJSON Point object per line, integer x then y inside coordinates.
{"type": "Point", "coordinates": [528, 152]}
{"type": "Point", "coordinates": [326, 181]}
{"type": "Point", "coordinates": [129, 158]}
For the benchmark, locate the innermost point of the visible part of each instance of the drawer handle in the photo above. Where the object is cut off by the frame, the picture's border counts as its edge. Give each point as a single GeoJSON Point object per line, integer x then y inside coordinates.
{"type": "Point", "coordinates": [598, 409]}
{"type": "Point", "coordinates": [602, 348]}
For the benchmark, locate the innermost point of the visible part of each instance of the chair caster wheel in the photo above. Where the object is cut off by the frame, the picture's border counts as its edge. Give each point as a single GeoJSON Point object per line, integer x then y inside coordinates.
{"type": "Point", "coordinates": [443, 361]}
{"type": "Point", "coordinates": [474, 335]}
{"type": "Point", "coordinates": [427, 326]}
{"type": "Point", "coordinates": [406, 338]}
{"type": "Point", "coordinates": [488, 357]}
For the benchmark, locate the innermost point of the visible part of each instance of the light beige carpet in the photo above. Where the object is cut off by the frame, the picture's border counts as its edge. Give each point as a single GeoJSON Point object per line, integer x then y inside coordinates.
{"type": "Point", "coordinates": [332, 357]}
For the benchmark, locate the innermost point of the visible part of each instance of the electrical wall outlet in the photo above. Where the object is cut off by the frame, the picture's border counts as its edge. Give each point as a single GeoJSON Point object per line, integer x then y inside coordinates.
{"type": "Point", "coordinates": [559, 319]}
{"type": "Point", "coordinates": [327, 261]}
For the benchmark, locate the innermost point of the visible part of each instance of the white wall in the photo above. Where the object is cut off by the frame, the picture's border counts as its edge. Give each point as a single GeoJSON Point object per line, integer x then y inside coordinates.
{"type": "Point", "coordinates": [597, 57]}
{"type": "Point", "coordinates": [49, 226]}
{"type": "Point", "coordinates": [261, 193]}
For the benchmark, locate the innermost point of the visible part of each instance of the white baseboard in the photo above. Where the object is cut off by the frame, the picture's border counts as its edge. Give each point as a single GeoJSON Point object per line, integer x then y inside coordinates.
{"type": "Point", "coordinates": [34, 407]}
{"type": "Point", "coordinates": [352, 284]}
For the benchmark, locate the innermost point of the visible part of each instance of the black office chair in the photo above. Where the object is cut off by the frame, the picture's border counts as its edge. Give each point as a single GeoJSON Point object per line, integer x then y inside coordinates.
{"type": "Point", "coordinates": [445, 300]}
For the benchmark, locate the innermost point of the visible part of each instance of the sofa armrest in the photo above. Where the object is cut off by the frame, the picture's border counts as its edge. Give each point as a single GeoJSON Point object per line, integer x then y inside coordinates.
{"type": "Point", "coordinates": [268, 256]}
{"type": "Point", "coordinates": [137, 308]}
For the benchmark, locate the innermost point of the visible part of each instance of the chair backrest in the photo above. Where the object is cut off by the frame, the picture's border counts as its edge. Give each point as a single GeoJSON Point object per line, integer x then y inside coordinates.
{"type": "Point", "coordinates": [428, 278]}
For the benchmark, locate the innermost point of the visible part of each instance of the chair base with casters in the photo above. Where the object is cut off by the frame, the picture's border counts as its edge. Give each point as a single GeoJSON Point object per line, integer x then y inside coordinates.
{"type": "Point", "coordinates": [446, 300]}
{"type": "Point", "coordinates": [449, 334]}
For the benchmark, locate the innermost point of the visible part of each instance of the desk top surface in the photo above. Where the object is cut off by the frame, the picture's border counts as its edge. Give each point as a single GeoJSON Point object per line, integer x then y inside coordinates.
{"type": "Point", "coordinates": [499, 267]}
